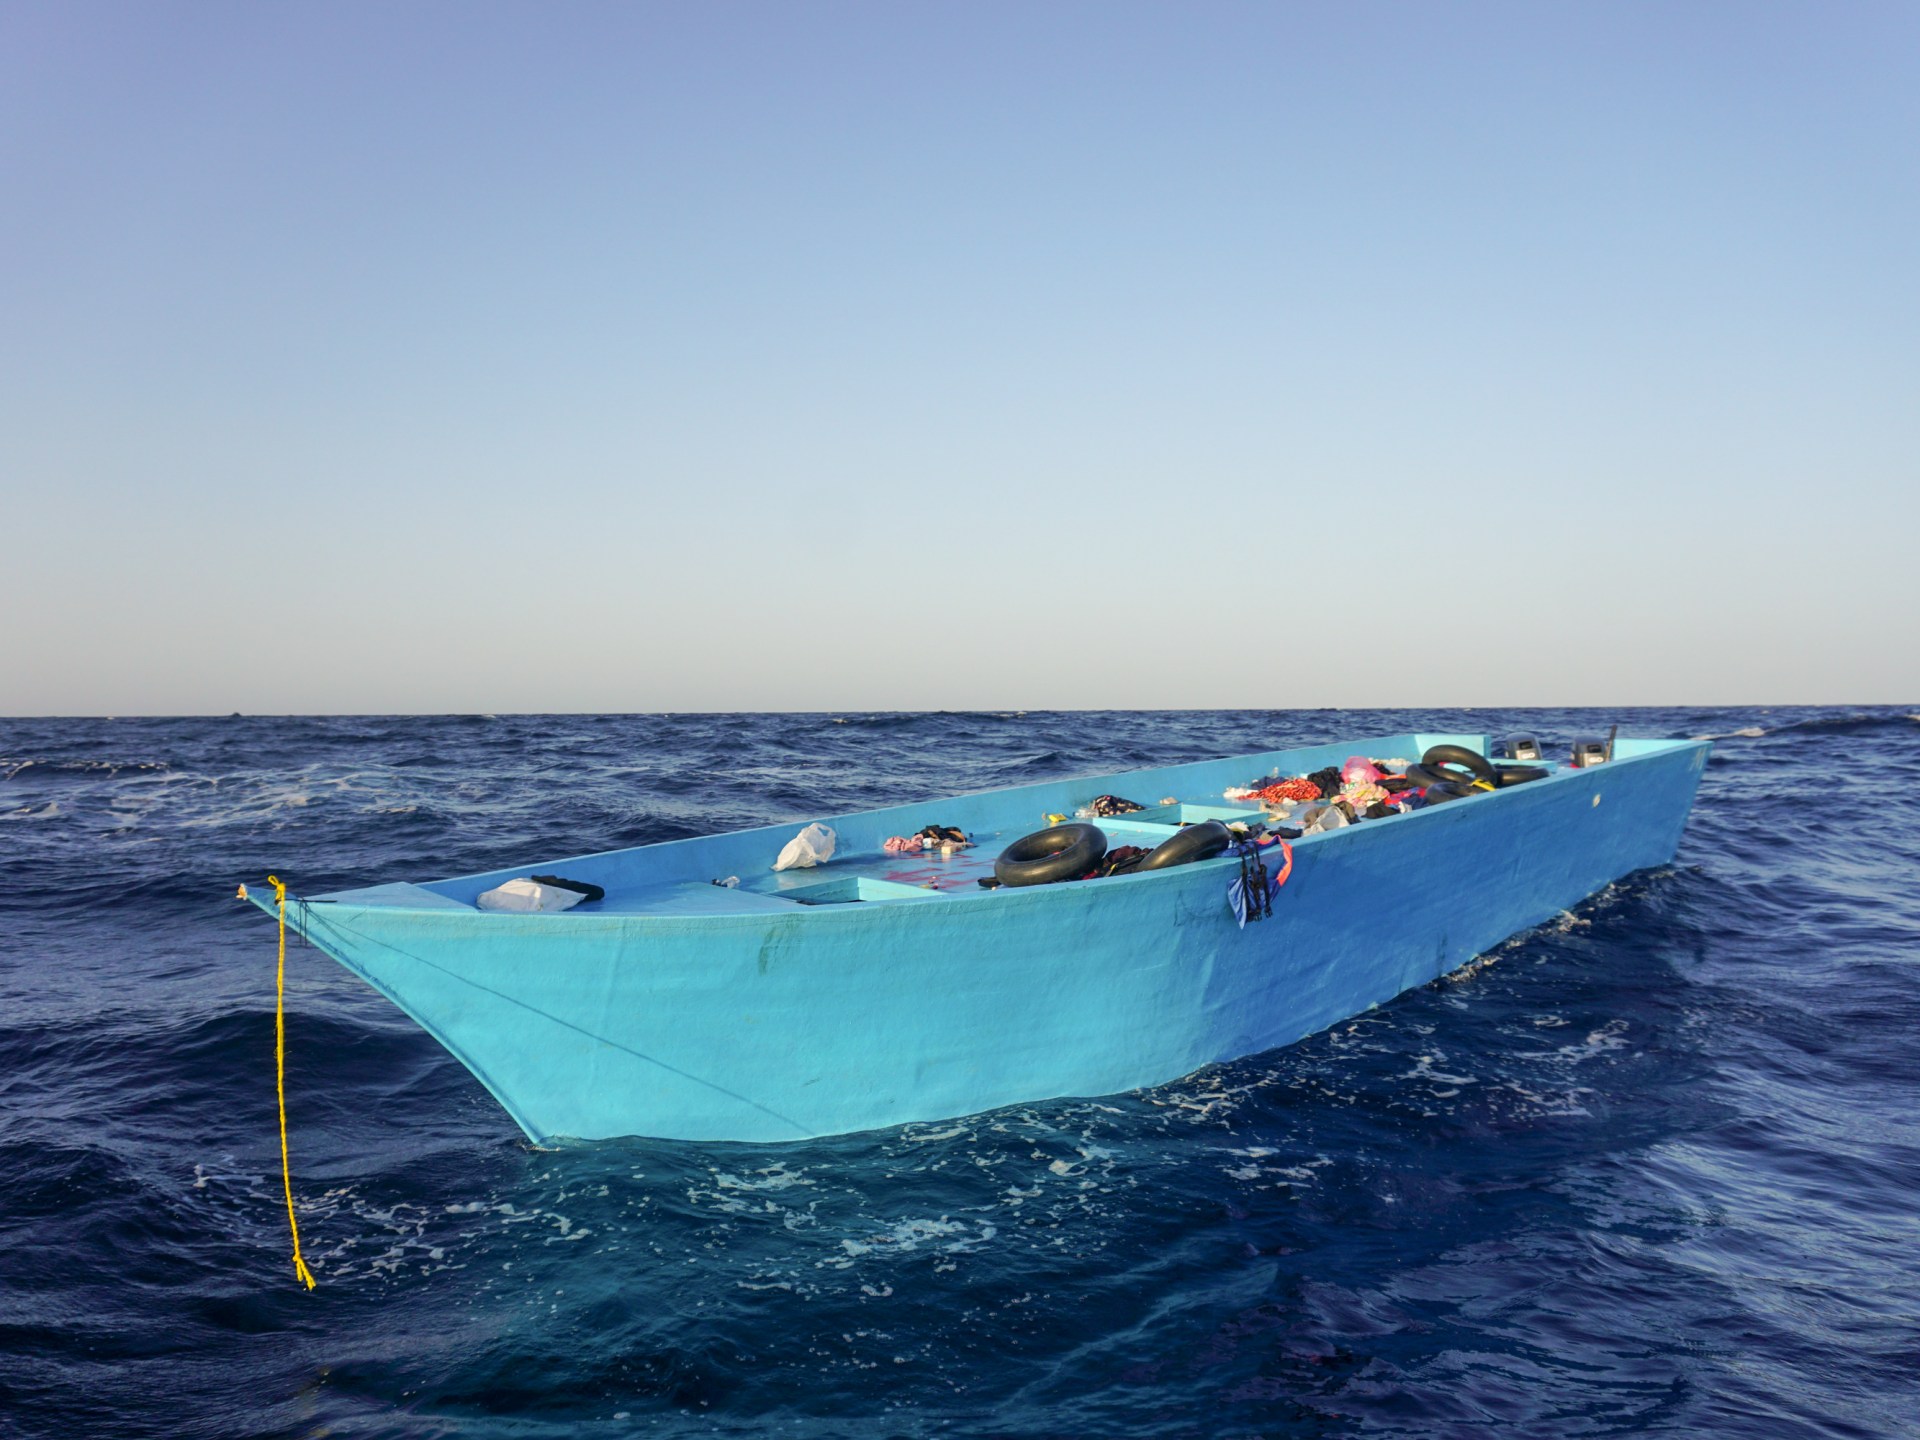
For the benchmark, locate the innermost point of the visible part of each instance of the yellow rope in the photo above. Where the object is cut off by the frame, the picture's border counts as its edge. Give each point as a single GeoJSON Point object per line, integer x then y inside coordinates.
{"type": "Point", "coordinates": [280, 1071]}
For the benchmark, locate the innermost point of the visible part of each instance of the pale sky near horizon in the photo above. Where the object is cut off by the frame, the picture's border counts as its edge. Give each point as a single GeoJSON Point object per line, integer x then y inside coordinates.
{"type": "Point", "coordinates": [638, 357]}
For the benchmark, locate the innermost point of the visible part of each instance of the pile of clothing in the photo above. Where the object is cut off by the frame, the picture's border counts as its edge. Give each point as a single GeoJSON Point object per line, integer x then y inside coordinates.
{"type": "Point", "coordinates": [1338, 795]}
{"type": "Point", "coordinates": [1301, 788]}
{"type": "Point", "coordinates": [1117, 861]}
{"type": "Point", "coordinates": [943, 838]}
{"type": "Point", "coordinates": [1260, 835]}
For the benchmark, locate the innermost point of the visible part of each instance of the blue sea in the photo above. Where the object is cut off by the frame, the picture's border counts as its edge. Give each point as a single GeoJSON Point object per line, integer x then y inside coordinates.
{"type": "Point", "coordinates": [1653, 1168]}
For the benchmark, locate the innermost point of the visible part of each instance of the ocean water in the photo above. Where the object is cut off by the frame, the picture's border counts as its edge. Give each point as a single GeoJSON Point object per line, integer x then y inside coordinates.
{"type": "Point", "coordinates": [1653, 1168]}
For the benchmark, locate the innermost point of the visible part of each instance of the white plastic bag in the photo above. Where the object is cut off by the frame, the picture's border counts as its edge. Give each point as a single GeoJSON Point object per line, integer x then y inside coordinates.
{"type": "Point", "coordinates": [1317, 819]}
{"type": "Point", "coordinates": [528, 895]}
{"type": "Point", "coordinates": [812, 846]}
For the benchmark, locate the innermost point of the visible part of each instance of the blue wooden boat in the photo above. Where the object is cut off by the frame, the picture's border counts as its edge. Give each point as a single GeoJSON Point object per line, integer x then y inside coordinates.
{"type": "Point", "coordinates": [883, 988]}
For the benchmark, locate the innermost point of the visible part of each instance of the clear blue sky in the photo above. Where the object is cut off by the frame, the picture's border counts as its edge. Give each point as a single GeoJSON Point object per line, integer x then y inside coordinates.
{"type": "Point", "coordinates": [421, 357]}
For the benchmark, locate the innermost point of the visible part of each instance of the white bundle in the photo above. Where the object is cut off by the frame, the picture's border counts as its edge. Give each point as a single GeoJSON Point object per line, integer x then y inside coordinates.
{"type": "Point", "coordinates": [812, 846]}
{"type": "Point", "coordinates": [527, 896]}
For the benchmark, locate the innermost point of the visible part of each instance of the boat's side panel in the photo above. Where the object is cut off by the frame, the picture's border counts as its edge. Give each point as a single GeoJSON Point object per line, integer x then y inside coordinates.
{"type": "Point", "coordinates": [830, 1019]}
{"type": "Point", "coordinates": [1424, 895]}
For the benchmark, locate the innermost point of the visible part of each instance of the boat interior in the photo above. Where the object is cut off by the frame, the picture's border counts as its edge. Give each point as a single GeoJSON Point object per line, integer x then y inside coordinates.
{"type": "Point", "coordinates": [731, 873]}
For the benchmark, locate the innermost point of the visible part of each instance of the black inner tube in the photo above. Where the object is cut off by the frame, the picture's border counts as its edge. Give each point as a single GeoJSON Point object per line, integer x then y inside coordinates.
{"type": "Point", "coordinates": [1520, 774]}
{"type": "Point", "coordinates": [1062, 852]}
{"type": "Point", "coordinates": [1458, 757]}
{"type": "Point", "coordinates": [1197, 842]}
{"type": "Point", "coordinates": [1441, 773]}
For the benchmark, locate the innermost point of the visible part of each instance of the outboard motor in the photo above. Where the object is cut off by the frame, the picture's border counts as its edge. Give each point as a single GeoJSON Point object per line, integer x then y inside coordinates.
{"type": "Point", "coordinates": [1516, 747]}
{"type": "Point", "coordinates": [1590, 750]}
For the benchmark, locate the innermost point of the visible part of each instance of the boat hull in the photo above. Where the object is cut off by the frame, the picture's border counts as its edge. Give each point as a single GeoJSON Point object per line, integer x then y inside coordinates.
{"type": "Point", "coordinates": [803, 1021]}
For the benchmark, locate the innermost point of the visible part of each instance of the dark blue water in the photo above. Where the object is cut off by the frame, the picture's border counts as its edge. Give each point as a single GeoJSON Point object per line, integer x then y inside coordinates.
{"type": "Point", "coordinates": [1650, 1169]}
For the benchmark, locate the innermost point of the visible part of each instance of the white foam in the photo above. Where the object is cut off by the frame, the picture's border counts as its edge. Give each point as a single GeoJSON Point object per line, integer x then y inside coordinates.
{"type": "Point", "coordinates": [1423, 1070]}
{"type": "Point", "coordinates": [774, 1177]}
{"type": "Point", "coordinates": [1610, 1036]}
{"type": "Point", "coordinates": [923, 1137]}
{"type": "Point", "coordinates": [949, 1237]}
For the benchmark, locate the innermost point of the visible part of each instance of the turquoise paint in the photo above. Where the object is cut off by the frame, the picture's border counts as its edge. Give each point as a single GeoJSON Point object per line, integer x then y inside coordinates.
{"type": "Point", "coordinates": [682, 1009]}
